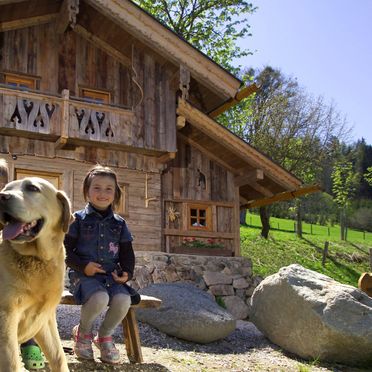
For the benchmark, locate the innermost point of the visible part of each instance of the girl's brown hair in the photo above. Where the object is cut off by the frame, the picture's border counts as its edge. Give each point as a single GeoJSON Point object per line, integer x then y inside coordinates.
{"type": "Point", "coordinates": [102, 171]}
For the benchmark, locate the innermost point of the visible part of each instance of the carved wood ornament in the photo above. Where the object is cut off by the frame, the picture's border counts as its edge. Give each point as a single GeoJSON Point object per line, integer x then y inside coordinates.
{"type": "Point", "coordinates": [32, 115]}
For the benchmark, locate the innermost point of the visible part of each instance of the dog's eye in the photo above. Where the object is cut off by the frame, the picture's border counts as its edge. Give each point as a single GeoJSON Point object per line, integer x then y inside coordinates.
{"type": "Point", "coordinates": [32, 188]}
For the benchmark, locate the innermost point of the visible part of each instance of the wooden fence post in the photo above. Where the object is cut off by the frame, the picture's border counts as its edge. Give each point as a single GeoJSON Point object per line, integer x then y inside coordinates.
{"type": "Point", "coordinates": [370, 258]}
{"type": "Point", "coordinates": [325, 252]}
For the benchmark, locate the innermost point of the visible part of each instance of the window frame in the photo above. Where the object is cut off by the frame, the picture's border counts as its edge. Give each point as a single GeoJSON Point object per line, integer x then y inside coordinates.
{"type": "Point", "coordinates": [16, 79]}
{"type": "Point", "coordinates": [53, 177]}
{"type": "Point", "coordinates": [208, 216]}
{"type": "Point", "coordinates": [96, 95]}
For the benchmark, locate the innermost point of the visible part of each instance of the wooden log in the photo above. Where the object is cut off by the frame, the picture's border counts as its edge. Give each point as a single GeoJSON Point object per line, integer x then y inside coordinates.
{"type": "Point", "coordinates": [147, 302]}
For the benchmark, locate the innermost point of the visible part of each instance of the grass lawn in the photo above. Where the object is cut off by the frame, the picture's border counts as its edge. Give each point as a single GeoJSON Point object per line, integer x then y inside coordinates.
{"type": "Point", "coordinates": [327, 232]}
{"type": "Point", "coordinates": [344, 263]}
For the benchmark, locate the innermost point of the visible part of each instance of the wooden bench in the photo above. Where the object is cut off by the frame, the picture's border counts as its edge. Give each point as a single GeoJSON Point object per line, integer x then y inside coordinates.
{"type": "Point", "coordinates": [130, 325]}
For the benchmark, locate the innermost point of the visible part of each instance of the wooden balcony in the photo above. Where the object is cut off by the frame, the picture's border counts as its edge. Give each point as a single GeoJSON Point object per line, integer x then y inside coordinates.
{"type": "Point", "coordinates": [69, 122]}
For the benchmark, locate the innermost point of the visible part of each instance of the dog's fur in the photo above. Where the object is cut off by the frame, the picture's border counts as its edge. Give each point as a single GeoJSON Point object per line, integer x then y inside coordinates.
{"type": "Point", "coordinates": [31, 269]}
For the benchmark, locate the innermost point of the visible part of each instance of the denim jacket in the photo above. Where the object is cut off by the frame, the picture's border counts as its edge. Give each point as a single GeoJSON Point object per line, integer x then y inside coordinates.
{"type": "Point", "coordinates": [98, 237]}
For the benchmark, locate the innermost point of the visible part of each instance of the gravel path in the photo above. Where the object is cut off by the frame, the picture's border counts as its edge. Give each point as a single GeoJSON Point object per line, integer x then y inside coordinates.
{"type": "Point", "coordinates": [246, 349]}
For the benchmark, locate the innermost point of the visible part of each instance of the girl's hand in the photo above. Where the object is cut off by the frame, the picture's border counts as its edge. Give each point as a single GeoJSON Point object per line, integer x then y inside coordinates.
{"type": "Point", "coordinates": [120, 279]}
{"type": "Point", "coordinates": [93, 268]}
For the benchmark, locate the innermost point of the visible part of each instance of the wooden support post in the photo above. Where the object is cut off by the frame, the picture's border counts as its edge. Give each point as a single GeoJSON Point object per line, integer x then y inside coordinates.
{"type": "Point", "coordinates": [370, 258]}
{"type": "Point", "coordinates": [132, 338]}
{"type": "Point", "coordinates": [325, 252]}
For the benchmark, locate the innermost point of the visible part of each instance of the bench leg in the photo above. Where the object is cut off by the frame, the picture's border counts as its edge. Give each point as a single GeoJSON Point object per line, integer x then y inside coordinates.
{"type": "Point", "coordinates": [132, 338]}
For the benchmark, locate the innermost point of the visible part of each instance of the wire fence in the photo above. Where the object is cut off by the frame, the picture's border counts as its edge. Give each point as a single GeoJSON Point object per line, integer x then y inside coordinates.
{"type": "Point", "coordinates": [332, 232]}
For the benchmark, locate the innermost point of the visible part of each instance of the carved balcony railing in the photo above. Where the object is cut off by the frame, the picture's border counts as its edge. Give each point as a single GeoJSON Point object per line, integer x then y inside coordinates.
{"type": "Point", "coordinates": [68, 121]}
{"type": "Point", "coordinates": [96, 122]}
{"type": "Point", "coordinates": [29, 112]}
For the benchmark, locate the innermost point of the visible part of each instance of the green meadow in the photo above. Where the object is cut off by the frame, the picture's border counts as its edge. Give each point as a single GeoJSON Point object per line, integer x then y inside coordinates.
{"type": "Point", "coordinates": [345, 261]}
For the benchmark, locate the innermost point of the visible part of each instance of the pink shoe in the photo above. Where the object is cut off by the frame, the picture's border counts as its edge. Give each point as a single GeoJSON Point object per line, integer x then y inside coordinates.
{"type": "Point", "coordinates": [83, 344]}
{"type": "Point", "coordinates": [109, 353]}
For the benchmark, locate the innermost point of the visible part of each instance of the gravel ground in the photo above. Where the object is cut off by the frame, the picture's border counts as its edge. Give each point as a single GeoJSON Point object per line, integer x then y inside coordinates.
{"type": "Point", "coordinates": [246, 349]}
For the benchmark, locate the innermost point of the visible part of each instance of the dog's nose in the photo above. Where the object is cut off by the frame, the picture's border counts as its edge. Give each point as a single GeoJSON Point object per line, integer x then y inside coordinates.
{"type": "Point", "coordinates": [4, 196]}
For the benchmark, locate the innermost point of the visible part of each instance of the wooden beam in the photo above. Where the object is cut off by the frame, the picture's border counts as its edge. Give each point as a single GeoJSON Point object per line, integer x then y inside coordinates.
{"type": "Point", "coordinates": [259, 188]}
{"type": "Point", "coordinates": [242, 200]}
{"type": "Point", "coordinates": [199, 233]}
{"type": "Point", "coordinates": [27, 22]}
{"type": "Point", "coordinates": [288, 195]}
{"type": "Point", "coordinates": [236, 223]}
{"type": "Point", "coordinates": [167, 43]}
{"type": "Point", "coordinates": [253, 175]}
{"type": "Point", "coordinates": [67, 15]}
{"type": "Point", "coordinates": [241, 149]}
{"type": "Point", "coordinates": [103, 45]}
{"type": "Point", "coordinates": [206, 152]}
{"type": "Point", "coordinates": [244, 93]}
{"type": "Point", "coordinates": [181, 122]}
{"type": "Point", "coordinates": [166, 157]}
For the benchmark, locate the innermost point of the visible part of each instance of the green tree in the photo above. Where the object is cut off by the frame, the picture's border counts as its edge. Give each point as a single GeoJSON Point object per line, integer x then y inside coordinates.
{"type": "Point", "coordinates": [295, 129]}
{"type": "Point", "coordinates": [345, 181]}
{"type": "Point", "coordinates": [212, 26]}
{"type": "Point", "coordinates": [368, 176]}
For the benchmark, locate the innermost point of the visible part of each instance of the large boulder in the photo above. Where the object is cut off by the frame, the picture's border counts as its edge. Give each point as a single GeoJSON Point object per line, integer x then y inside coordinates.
{"type": "Point", "coordinates": [313, 316]}
{"type": "Point", "coordinates": [187, 313]}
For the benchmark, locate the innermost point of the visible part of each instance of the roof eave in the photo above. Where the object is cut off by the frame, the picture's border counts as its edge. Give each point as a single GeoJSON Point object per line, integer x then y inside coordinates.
{"type": "Point", "coordinates": [160, 38]}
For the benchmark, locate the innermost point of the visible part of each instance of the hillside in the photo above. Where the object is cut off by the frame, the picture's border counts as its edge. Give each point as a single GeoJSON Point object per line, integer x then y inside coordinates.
{"type": "Point", "coordinates": [345, 260]}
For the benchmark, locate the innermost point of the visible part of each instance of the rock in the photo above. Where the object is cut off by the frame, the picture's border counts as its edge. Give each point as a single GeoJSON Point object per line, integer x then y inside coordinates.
{"type": "Point", "coordinates": [221, 290]}
{"type": "Point", "coordinates": [214, 277]}
{"type": "Point", "coordinates": [236, 306]}
{"type": "Point", "coordinates": [313, 316]}
{"type": "Point", "coordinates": [240, 283]}
{"type": "Point", "coordinates": [187, 313]}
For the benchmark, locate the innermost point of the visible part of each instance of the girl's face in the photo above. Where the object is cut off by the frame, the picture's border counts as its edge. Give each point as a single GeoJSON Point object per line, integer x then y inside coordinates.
{"type": "Point", "coordinates": [101, 192]}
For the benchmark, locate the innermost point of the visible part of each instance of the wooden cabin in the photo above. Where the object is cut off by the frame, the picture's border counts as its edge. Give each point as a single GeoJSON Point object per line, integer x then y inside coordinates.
{"type": "Point", "coordinates": [101, 81]}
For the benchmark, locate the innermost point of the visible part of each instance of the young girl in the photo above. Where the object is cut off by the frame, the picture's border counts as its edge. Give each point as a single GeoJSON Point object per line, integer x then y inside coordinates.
{"type": "Point", "coordinates": [100, 254]}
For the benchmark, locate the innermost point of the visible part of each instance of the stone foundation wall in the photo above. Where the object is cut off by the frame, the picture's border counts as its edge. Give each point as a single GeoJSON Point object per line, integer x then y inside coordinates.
{"type": "Point", "coordinates": [228, 279]}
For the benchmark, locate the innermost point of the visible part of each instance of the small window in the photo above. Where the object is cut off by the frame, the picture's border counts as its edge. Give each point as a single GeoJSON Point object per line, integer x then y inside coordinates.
{"type": "Point", "coordinates": [53, 178]}
{"type": "Point", "coordinates": [20, 81]}
{"type": "Point", "coordinates": [123, 209]}
{"type": "Point", "coordinates": [199, 217]}
{"type": "Point", "coordinates": [95, 96]}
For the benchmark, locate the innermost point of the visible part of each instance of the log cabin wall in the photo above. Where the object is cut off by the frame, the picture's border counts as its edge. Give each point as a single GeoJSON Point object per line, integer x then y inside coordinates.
{"type": "Point", "coordinates": [144, 222]}
{"type": "Point", "coordinates": [142, 115]}
{"type": "Point", "coordinates": [70, 61]}
{"type": "Point", "coordinates": [144, 112]}
{"type": "Point", "coordinates": [198, 191]}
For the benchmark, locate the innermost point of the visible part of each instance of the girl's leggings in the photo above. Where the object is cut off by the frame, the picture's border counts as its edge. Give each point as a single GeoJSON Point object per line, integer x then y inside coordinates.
{"type": "Point", "coordinates": [96, 304]}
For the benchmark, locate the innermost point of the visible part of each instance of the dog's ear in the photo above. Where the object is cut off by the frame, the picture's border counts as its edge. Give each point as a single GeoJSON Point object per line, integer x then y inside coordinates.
{"type": "Point", "coordinates": [67, 217]}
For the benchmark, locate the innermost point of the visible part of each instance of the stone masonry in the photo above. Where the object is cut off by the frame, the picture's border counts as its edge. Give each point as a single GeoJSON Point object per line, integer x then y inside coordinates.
{"type": "Point", "coordinates": [228, 279]}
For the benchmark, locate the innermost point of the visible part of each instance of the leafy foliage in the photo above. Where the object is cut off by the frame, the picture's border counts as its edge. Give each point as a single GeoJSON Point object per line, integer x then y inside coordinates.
{"type": "Point", "coordinates": [344, 182]}
{"type": "Point", "coordinates": [212, 26]}
{"type": "Point", "coordinates": [368, 176]}
{"type": "Point", "coordinates": [285, 122]}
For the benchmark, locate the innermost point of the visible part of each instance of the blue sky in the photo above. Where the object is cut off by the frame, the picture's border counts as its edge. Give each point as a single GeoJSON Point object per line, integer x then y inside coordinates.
{"type": "Point", "coordinates": [326, 45]}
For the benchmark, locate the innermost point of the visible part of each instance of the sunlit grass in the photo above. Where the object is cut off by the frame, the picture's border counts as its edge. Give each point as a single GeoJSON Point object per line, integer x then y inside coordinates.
{"type": "Point", "coordinates": [345, 261]}
{"type": "Point", "coordinates": [327, 232]}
